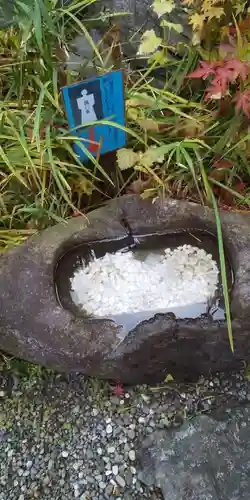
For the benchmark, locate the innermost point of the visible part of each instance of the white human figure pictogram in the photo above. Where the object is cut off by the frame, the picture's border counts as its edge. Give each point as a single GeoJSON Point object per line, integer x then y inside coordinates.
{"type": "Point", "coordinates": [86, 105]}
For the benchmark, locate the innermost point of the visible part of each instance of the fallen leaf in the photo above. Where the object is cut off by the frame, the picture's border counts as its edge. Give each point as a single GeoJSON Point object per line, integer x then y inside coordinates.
{"type": "Point", "coordinates": [149, 125]}
{"type": "Point", "coordinates": [118, 390]}
{"type": "Point", "coordinates": [150, 43]}
{"type": "Point", "coordinates": [126, 158]}
{"type": "Point", "coordinates": [83, 185]}
{"type": "Point", "coordinates": [142, 100]}
{"type": "Point", "coordinates": [133, 114]}
{"type": "Point", "coordinates": [151, 156]}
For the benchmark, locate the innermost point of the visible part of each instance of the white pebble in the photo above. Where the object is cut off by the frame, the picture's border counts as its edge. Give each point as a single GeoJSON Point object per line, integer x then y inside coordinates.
{"type": "Point", "coordinates": [131, 455]}
{"type": "Point", "coordinates": [109, 429]}
{"type": "Point", "coordinates": [141, 420]}
{"type": "Point", "coordinates": [123, 283]}
{"type": "Point", "coordinates": [115, 470]}
{"type": "Point", "coordinates": [65, 454]}
{"type": "Point", "coordinates": [120, 481]}
{"type": "Point", "coordinates": [111, 449]}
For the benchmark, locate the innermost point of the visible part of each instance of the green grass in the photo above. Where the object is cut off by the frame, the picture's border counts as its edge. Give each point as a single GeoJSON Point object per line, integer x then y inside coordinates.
{"type": "Point", "coordinates": [42, 180]}
{"type": "Point", "coordinates": [223, 271]}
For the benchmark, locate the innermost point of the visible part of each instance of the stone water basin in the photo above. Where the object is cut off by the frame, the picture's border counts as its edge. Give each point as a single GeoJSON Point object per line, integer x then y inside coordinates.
{"type": "Point", "coordinates": [40, 323]}
{"type": "Point", "coordinates": [142, 246]}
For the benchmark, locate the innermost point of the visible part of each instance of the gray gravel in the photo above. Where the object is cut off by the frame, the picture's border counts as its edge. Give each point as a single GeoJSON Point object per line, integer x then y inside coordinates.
{"type": "Point", "coordinates": [62, 439]}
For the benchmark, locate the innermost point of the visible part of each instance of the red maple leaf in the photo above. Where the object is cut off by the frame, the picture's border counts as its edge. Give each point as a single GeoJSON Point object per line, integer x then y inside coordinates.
{"type": "Point", "coordinates": [218, 88]}
{"type": "Point", "coordinates": [203, 71]}
{"type": "Point", "coordinates": [118, 390]}
{"type": "Point", "coordinates": [242, 100]}
{"type": "Point", "coordinates": [243, 26]}
{"type": "Point", "coordinates": [234, 68]}
{"type": "Point", "coordinates": [223, 72]}
{"type": "Point", "coordinates": [240, 187]}
{"type": "Point", "coordinates": [220, 163]}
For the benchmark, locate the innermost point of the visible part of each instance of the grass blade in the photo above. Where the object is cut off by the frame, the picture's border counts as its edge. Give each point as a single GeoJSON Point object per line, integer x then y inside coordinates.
{"type": "Point", "coordinates": [223, 269]}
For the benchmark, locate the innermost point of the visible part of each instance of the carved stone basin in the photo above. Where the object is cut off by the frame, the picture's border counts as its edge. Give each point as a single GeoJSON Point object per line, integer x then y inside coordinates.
{"type": "Point", "coordinates": [39, 321]}
{"type": "Point", "coordinates": [81, 255]}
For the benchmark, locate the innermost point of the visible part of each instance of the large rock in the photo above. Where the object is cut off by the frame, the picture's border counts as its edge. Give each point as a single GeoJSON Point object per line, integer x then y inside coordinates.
{"type": "Point", "coordinates": [137, 16]}
{"type": "Point", "coordinates": [35, 326]}
{"type": "Point", "coordinates": [205, 459]}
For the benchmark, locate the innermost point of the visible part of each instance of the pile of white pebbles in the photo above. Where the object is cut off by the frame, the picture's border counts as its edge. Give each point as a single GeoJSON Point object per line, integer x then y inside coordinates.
{"type": "Point", "coordinates": [125, 282]}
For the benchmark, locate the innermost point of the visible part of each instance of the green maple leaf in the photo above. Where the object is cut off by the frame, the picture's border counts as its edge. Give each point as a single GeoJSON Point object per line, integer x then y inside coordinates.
{"type": "Point", "coordinates": [214, 12]}
{"type": "Point", "coordinates": [172, 26]}
{"type": "Point", "coordinates": [149, 44]}
{"type": "Point", "coordinates": [161, 7]}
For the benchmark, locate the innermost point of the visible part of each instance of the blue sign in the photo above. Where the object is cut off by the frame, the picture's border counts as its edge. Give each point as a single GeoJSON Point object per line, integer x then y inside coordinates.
{"type": "Point", "coordinates": [96, 99]}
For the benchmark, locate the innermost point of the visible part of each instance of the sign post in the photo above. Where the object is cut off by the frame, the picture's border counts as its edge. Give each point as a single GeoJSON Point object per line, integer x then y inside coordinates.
{"type": "Point", "coordinates": [93, 100]}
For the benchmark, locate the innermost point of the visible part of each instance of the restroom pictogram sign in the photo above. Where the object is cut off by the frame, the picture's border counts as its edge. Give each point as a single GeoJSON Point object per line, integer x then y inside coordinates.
{"type": "Point", "coordinates": [89, 102]}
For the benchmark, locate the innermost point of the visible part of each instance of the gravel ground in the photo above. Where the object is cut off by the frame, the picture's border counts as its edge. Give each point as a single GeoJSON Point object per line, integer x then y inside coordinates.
{"type": "Point", "coordinates": [65, 438]}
